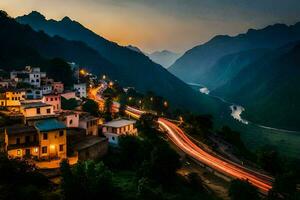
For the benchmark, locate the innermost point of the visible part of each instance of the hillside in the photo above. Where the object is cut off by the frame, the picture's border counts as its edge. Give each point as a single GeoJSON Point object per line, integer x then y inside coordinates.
{"type": "Point", "coordinates": [194, 65]}
{"type": "Point", "coordinates": [145, 77]}
{"type": "Point", "coordinates": [269, 88]}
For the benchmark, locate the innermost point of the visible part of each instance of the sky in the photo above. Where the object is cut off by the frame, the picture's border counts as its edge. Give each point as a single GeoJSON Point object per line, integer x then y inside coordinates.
{"type": "Point", "coordinates": [151, 25]}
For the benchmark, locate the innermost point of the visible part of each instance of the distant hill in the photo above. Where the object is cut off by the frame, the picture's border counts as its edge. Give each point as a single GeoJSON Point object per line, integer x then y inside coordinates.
{"type": "Point", "coordinates": [197, 62]}
{"type": "Point", "coordinates": [269, 88]}
{"type": "Point", "coordinates": [78, 44]}
{"type": "Point", "coordinates": [165, 58]}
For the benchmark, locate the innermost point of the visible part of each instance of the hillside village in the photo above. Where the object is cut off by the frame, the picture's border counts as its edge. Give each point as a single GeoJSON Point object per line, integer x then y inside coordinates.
{"type": "Point", "coordinates": [44, 133]}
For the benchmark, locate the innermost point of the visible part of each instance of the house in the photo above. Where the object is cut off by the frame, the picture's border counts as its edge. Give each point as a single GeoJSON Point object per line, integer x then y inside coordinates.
{"type": "Point", "coordinates": [58, 87]}
{"type": "Point", "coordinates": [91, 147]}
{"type": "Point", "coordinates": [70, 118]}
{"type": "Point", "coordinates": [89, 123]}
{"type": "Point", "coordinates": [46, 89]}
{"type": "Point", "coordinates": [22, 141]}
{"type": "Point", "coordinates": [81, 90]}
{"type": "Point", "coordinates": [52, 139]}
{"type": "Point", "coordinates": [31, 75]}
{"type": "Point", "coordinates": [54, 100]}
{"type": "Point", "coordinates": [33, 111]}
{"type": "Point", "coordinates": [12, 97]}
{"type": "Point", "coordinates": [113, 129]}
{"type": "Point", "coordinates": [69, 95]}
{"type": "Point", "coordinates": [34, 93]}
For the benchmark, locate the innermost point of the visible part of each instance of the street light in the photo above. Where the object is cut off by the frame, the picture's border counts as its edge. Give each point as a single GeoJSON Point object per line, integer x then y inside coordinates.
{"type": "Point", "coordinates": [82, 72]}
{"type": "Point", "coordinates": [151, 99]}
{"type": "Point", "coordinates": [165, 103]}
{"type": "Point", "coordinates": [111, 84]}
{"type": "Point", "coordinates": [103, 77]}
{"type": "Point", "coordinates": [130, 98]}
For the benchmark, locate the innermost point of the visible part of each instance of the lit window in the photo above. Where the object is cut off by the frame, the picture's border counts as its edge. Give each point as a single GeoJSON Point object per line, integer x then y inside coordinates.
{"type": "Point", "coordinates": [19, 152]}
{"type": "Point", "coordinates": [44, 150]}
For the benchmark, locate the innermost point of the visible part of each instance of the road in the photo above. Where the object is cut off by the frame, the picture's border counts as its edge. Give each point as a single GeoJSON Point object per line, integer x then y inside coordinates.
{"type": "Point", "coordinates": [224, 166]}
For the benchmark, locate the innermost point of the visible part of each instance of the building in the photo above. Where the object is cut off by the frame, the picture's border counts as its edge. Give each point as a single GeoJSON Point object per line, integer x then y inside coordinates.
{"type": "Point", "coordinates": [69, 95]}
{"type": "Point", "coordinates": [22, 141]}
{"type": "Point", "coordinates": [89, 123]}
{"type": "Point", "coordinates": [34, 93]}
{"type": "Point", "coordinates": [12, 97]}
{"type": "Point", "coordinates": [33, 111]}
{"type": "Point", "coordinates": [80, 89]}
{"type": "Point", "coordinates": [31, 75]}
{"type": "Point", "coordinates": [46, 89]}
{"type": "Point", "coordinates": [70, 118]}
{"type": "Point", "coordinates": [52, 139]}
{"type": "Point", "coordinates": [58, 87]}
{"type": "Point", "coordinates": [91, 147]}
{"type": "Point", "coordinates": [54, 100]}
{"type": "Point", "coordinates": [113, 129]}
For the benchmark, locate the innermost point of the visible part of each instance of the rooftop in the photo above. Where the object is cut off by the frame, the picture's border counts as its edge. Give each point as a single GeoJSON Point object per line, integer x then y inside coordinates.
{"type": "Point", "coordinates": [89, 141]}
{"type": "Point", "coordinates": [86, 117]}
{"type": "Point", "coordinates": [20, 129]}
{"type": "Point", "coordinates": [34, 104]}
{"type": "Point", "coordinates": [119, 123]}
{"type": "Point", "coordinates": [49, 125]}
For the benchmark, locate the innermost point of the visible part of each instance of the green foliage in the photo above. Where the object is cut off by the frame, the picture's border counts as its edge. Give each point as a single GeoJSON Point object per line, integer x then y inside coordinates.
{"type": "Point", "coordinates": [269, 159]}
{"type": "Point", "coordinates": [234, 138]}
{"type": "Point", "coordinates": [68, 104]}
{"type": "Point", "coordinates": [107, 109]}
{"type": "Point", "coordinates": [21, 180]}
{"type": "Point", "coordinates": [87, 180]}
{"type": "Point", "coordinates": [242, 190]}
{"type": "Point", "coordinates": [91, 106]}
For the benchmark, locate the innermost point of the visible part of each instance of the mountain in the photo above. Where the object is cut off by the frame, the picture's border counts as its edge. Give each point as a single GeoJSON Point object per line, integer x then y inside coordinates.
{"type": "Point", "coordinates": [143, 74]}
{"type": "Point", "coordinates": [165, 58]}
{"type": "Point", "coordinates": [134, 48]}
{"type": "Point", "coordinates": [197, 62]}
{"type": "Point", "coordinates": [269, 88]}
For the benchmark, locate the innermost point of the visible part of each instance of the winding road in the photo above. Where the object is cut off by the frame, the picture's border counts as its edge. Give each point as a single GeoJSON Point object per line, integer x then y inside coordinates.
{"type": "Point", "coordinates": [178, 137]}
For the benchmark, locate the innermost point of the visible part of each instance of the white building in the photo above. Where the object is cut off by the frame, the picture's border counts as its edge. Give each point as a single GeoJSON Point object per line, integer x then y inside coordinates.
{"type": "Point", "coordinates": [31, 75]}
{"type": "Point", "coordinates": [34, 93]}
{"type": "Point", "coordinates": [114, 129]}
{"type": "Point", "coordinates": [81, 89]}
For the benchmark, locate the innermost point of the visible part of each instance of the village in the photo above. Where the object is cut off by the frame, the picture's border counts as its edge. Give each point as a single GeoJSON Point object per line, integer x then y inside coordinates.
{"type": "Point", "coordinates": [44, 133]}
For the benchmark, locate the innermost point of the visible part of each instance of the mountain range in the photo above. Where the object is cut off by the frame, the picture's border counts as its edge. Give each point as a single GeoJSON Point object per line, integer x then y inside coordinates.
{"type": "Point", "coordinates": [26, 38]}
{"type": "Point", "coordinates": [165, 58]}
{"type": "Point", "coordinates": [258, 70]}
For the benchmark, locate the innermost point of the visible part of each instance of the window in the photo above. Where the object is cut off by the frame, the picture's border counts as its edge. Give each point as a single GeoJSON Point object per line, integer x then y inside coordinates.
{"type": "Point", "coordinates": [55, 98]}
{"type": "Point", "coordinates": [113, 138]}
{"type": "Point", "coordinates": [71, 122]}
{"type": "Point", "coordinates": [48, 110]}
{"type": "Point", "coordinates": [38, 110]}
{"type": "Point", "coordinates": [51, 99]}
{"type": "Point", "coordinates": [45, 136]}
{"type": "Point", "coordinates": [47, 99]}
{"type": "Point", "coordinates": [18, 152]}
{"type": "Point", "coordinates": [44, 150]}
{"type": "Point", "coordinates": [61, 133]}
{"type": "Point", "coordinates": [27, 139]}
{"type": "Point", "coordinates": [61, 147]}
{"type": "Point", "coordinates": [18, 140]}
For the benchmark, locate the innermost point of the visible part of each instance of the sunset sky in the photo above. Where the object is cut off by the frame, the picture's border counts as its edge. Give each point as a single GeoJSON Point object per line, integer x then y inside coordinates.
{"type": "Point", "coordinates": [175, 25]}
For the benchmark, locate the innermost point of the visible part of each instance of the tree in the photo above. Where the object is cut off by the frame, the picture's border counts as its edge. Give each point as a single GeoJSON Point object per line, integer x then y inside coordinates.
{"type": "Point", "coordinates": [269, 159]}
{"type": "Point", "coordinates": [68, 104]}
{"type": "Point", "coordinates": [107, 109]}
{"type": "Point", "coordinates": [91, 106]}
{"type": "Point", "coordinates": [87, 180]}
{"type": "Point", "coordinates": [242, 190]}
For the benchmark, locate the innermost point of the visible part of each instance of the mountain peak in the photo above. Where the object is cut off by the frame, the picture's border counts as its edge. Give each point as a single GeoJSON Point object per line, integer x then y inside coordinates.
{"type": "Point", "coordinates": [36, 15]}
{"type": "Point", "coordinates": [66, 19]}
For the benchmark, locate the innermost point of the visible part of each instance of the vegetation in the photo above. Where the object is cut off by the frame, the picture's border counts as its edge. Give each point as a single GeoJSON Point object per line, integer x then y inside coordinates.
{"type": "Point", "coordinates": [68, 104]}
{"type": "Point", "coordinates": [91, 106]}
{"type": "Point", "coordinates": [242, 190]}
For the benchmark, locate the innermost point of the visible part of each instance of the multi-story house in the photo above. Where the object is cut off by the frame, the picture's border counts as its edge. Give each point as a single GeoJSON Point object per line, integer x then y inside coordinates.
{"type": "Point", "coordinates": [54, 100]}
{"type": "Point", "coordinates": [114, 129]}
{"type": "Point", "coordinates": [31, 75]}
{"type": "Point", "coordinates": [89, 123]}
{"type": "Point", "coordinates": [70, 118]}
{"type": "Point", "coordinates": [46, 139]}
{"type": "Point", "coordinates": [33, 111]}
{"type": "Point", "coordinates": [12, 98]}
{"type": "Point", "coordinates": [34, 93]}
{"type": "Point", "coordinates": [81, 90]}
